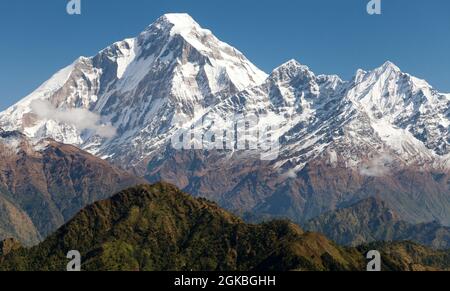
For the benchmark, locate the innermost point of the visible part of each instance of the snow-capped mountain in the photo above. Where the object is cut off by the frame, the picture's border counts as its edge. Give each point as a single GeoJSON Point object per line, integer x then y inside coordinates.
{"type": "Point", "coordinates": [123, 99]}
{"type": "Point", "coordinates": [382, 113]}
{"type": "Point", "coordinates": [393, 97]}
{"type": "Point", "coordinates": [124, 103]}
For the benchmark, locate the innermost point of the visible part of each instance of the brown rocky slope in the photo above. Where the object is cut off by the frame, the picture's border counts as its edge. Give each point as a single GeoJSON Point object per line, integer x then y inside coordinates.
{"type": "Point", "coordinates": [42, 185]}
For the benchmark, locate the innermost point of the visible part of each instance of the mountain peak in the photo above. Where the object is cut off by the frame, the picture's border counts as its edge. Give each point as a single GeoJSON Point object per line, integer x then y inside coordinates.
{"type": "Point", "coordinates": [292, 63]}
{"type": "Point", "coordinates": [179, 19]}
{"type": "Point", "coordinates": [389, 66]}
{"type": "Point", "coordinates": [290, 70]}
{"type": "Point", "coordinates": [176, 23]}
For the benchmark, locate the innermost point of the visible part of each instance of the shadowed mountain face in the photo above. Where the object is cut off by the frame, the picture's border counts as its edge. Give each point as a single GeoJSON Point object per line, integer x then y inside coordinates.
{"type": "Point", "coordinates": [160, 228]}
{"type": "Point", "coordinates": [15, 223]}
{"type": "Point", "coordinates": [372, 220]}
{"type": "Point", "coordinates": [42, 185]}
{"type": "Point", "coordinates": [253, 186]}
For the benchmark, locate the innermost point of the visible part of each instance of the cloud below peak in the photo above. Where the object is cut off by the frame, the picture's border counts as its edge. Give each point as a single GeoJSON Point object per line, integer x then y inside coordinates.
{"type": "Point", "coordinates": [82, 119]}
{"type": "Point", "coordinates": [378, 166]}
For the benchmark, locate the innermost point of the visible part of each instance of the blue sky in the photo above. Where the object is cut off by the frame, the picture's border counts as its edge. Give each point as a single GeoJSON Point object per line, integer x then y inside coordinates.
{"type": "Point", "coordinates": [335, 37]}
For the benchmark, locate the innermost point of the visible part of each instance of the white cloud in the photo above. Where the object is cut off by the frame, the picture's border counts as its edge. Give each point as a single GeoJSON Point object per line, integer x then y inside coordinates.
{"type": "Point", "coordinates": [377, 167]}
{"type": "Point", "coordinates": [289, 174]}
{"type": "Point", "coordinates": [82, 119]}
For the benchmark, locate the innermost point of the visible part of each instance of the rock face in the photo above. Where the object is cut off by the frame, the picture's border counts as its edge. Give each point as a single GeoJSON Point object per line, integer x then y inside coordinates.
{"type": "Point", "coordinates": [251, 185]}
{"type": "Point", "coordinates": [160, 228]}
{"type": "Point", "coordinates": [383, 133]}
{"type": "Point", "coordinates": [43, 184]}
{"type": "Point", "coordinates": [371, 220]}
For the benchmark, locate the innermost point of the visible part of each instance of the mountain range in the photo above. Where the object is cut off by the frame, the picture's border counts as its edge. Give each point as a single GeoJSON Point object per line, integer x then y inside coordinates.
{"type": "Point", "coordinates": [103, 122]}
{"type": "Point", "coordinates": [371, 220]}
{"type": "Point", "coordinates": [160, 228]}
